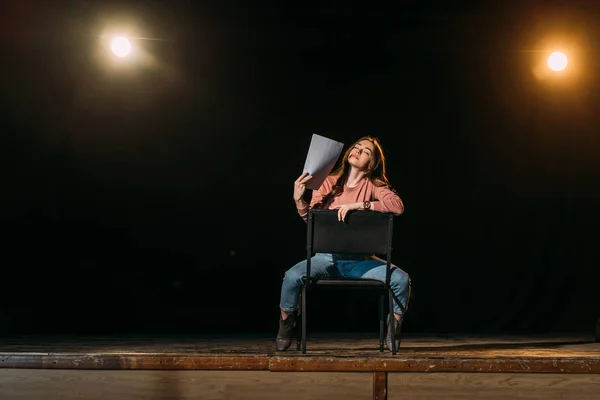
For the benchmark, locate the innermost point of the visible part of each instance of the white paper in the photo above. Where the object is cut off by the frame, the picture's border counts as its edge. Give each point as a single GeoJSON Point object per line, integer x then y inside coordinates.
{"type": "Point", "coordinates": [320, 160]}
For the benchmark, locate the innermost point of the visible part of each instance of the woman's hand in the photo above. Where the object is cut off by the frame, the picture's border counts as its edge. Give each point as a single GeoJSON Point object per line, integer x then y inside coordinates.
{"type": "Point", "coordinates": [344, 208]}
{"type": "Point", "coordinates": [300, 186]}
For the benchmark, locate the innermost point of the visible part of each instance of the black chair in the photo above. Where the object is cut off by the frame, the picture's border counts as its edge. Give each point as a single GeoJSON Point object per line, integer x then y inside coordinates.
{"type": "Point", "coordinates": [363, 232]}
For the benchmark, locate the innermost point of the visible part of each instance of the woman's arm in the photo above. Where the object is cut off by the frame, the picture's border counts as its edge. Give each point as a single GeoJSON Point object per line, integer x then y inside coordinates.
{"type": "Point", "coordinates": [387, 201]}
{"type": "Point", "coordinates": [317, 198]}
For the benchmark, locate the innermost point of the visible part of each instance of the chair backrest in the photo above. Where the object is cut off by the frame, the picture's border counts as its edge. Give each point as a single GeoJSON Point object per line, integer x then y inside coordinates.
{"type": "Point", "coordinates": [361, 232]}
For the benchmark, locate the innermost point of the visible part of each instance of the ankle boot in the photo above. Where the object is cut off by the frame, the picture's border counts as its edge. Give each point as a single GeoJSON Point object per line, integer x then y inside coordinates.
{"type": "Point", "coordinates": [284, 335]}
{"type": "Point", "coordinates": [388, 338]}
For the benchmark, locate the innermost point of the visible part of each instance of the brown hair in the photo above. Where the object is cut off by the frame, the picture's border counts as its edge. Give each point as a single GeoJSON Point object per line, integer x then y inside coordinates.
{"type": "Point", "coordinates": [376, 172]}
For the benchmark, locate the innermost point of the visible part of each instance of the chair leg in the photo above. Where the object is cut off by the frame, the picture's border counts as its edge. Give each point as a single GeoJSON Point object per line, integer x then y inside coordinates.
{"type": "Point", "coordinates": [304, 319]}
{"type": "Point", "coordinates": [299, 326]}
{"type": "Point", "coordinates": [381, 323]}
{"type": "Point", "coordinates": [393, 325]}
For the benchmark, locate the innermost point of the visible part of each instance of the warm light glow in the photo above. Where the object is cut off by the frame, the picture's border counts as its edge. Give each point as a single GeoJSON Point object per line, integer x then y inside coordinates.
{"type": "Point", "coordinates": [120, 46]}
{"type": "Point", "coordinates": [557, 61]}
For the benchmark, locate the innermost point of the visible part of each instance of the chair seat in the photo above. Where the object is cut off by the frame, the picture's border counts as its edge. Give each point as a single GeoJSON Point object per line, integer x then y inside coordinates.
{"type": "Point", "coordinates": [348, 282]}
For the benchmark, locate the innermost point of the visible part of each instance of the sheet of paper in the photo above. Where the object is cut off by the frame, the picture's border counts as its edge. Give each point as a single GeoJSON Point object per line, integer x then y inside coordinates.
{"type": "Point", "coordinates": [321, 158]}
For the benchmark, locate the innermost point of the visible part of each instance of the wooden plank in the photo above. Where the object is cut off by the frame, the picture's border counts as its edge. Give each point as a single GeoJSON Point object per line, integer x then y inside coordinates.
{"type": "Point", "coordinates": [306, 363]}
{"type": "Point", "coordinates": [45, 384]}
{"type": "Point", "coordinates": [137, 361]}
{"type": "Point", "coordinates": [380, 385]}
{"type": "Point", "coordinates": [509, 386]}
{"type": "Point", "coordinates": [487, 365]}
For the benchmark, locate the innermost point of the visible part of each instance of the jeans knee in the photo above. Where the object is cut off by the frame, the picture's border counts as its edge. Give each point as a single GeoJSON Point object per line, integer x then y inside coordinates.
{"type": "Point", "coordinates": [292, 276]}
{"type": "Point", "coordinates": [399, 279]}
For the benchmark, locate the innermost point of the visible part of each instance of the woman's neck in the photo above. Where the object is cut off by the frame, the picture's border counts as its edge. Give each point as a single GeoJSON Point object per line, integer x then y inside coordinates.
{"type": "Point", "coordinates": [354, 177]}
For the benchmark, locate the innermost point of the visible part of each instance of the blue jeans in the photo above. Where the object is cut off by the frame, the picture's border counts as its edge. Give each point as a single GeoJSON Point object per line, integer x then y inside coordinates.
{"type": "Point", "coordinates": [344, 266]}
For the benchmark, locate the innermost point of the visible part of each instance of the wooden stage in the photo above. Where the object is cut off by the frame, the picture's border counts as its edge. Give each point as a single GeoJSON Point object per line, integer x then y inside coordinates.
{"type": "Point", "coordinates": [335, 366]}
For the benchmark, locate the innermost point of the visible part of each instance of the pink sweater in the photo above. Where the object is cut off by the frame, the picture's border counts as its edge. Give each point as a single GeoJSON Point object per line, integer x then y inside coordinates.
{"type": "Point", "coordinates": [382, 199]}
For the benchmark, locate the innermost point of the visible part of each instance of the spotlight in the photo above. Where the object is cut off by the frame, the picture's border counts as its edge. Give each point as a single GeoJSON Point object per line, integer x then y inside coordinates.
{"type": "Point", "coordinates": [120, 46]}
{"type": "Point", "coordinates": [557, 61]}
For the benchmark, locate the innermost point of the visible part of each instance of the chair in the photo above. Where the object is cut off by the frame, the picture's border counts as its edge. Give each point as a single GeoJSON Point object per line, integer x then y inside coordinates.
{"type": "Point", "coordinates": [362, 232]}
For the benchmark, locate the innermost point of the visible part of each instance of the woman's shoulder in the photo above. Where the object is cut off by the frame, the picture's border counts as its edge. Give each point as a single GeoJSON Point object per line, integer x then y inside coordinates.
{"type": "Point", "coordinates": [378, 182]}
{"type": "Point", "coordinates": [332, 179]}
{"type": "Point", "coordinates": [329, 182]}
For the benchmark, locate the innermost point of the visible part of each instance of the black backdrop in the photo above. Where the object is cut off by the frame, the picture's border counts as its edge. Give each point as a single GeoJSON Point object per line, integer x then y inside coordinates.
{"type": "Point", "coordinates": [157, 197]}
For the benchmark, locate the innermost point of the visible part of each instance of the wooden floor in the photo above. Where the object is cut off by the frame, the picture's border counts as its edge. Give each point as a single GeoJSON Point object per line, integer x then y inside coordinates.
{"type": "Point", "coordinates": [564, 354]}
{"type": "Point", "coordinates": [335, 366]}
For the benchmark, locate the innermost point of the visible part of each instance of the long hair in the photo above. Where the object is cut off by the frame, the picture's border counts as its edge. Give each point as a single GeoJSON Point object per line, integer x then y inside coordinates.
{"type": "Point", "coordinates": [376, 172]}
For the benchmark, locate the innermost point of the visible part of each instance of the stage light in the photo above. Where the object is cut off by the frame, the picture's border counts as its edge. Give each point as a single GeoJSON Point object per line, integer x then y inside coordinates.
{"type": "Point", "coordinates": [557, 61]}
{"type": "Point", "coordinates": [120, 46]}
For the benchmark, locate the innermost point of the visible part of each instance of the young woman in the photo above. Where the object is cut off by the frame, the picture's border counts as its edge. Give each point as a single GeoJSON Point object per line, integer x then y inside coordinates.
{"type": "Point", "coordinates": [359, 183]}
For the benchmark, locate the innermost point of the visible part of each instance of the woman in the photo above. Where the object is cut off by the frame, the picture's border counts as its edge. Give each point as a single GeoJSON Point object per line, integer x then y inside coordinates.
{"type": "Point", "coordinates": [360, 183]}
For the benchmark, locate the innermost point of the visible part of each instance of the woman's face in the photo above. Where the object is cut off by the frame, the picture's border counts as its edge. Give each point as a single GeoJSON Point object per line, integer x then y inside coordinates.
{"type": "Point", "coordinates": [361, 155]}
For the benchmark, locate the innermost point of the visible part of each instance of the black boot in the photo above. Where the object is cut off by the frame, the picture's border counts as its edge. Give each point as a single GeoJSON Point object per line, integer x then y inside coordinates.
{"type": "Point", "coordinates": [388, 337]}
{"type": "Point", "coordinates": [284, 336]}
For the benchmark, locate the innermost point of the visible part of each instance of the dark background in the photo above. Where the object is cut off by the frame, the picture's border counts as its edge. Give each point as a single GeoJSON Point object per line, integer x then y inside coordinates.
{"type": "Point", "coordinates": [157, 196]}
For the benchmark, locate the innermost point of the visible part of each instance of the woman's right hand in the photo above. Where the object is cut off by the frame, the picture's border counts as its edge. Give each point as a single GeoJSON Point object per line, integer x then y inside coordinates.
{"type": "Point", "coordinates": [300, 186]}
